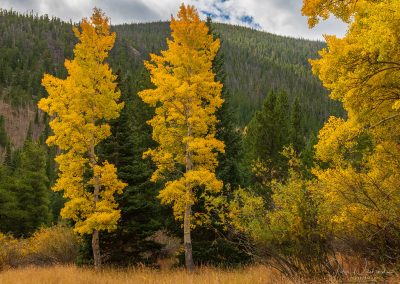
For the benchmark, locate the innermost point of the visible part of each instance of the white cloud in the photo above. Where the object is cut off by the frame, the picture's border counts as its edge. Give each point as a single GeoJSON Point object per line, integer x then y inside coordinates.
{"type": "Point", "coordinates": [276, 16]}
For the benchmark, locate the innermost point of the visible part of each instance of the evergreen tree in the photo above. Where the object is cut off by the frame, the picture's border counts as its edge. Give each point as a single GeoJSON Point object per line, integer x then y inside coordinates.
{"type": "Point", "coordinates": [260, 143]}
{"type": "Point", "coordinates": [3, 133]}
{"type": "Point", "coordinates": [282, 112]}
{"type": "Point", "coordinates": [296, 130]}
{"type": "Point", "coordinates": [27, 190]}
{"type": "Point", "coordinates": [10, 214]}
{"type": "Point", "coordinates": [274, 126]}
{"type": "Point", "coordinates": [34, 193]}
{"type": "Point", "coordinates": [141, 213]}
{"type": "Point", "coordinates": [227, 131]}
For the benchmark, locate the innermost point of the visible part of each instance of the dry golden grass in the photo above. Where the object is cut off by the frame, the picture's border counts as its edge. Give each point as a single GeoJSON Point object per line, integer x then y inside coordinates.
{"type": "Point", "coordinates": [74, 275]}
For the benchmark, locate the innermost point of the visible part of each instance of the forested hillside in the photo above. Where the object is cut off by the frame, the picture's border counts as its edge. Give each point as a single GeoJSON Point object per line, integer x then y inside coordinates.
{"type": "Point", "coordinates": [255, 63]}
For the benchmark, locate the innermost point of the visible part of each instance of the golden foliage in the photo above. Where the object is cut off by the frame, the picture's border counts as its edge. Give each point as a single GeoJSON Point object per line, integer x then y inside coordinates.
{"type": "Point", "coordinates": [316, 10]}
{"type": "Point", "coordinates": [186, 98]}
{"type": "Point", "coordinates": [359, 182]}
{"type": "Point", "coordinates": [291, 217]}
{"type": "Point", "coordinates": [80, 105]}
{"type": "Point", "coordinates": [362, 69]}
{"type": "Point", "coordinates": [54, 245]}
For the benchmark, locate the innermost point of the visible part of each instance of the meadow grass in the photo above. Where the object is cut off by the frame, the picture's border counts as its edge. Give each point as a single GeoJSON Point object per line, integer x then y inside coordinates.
{"type": "Point", "coordinates": [76, 275]}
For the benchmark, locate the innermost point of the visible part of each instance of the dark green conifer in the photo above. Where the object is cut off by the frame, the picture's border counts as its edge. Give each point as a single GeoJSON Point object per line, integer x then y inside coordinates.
{"type": "Point", "coordinates": [3, 133]}
{"type": "Point", "coordinates": [141, 214]}
{"type": "Point", "coordinates": [30, 185]}
{"type": "Point", "coordinates": [296, 130]}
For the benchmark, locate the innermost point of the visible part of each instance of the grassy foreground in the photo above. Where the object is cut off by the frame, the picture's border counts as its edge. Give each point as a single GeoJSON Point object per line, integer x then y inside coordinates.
{"type": "Point", "coordinates": [74, 275]}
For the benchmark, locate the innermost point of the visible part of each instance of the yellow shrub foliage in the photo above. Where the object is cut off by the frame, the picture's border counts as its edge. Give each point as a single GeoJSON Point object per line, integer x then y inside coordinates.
{"type": "Point", "coordinates": [54, 245]}
{"type": "Point", "coordinates": [359, 180]}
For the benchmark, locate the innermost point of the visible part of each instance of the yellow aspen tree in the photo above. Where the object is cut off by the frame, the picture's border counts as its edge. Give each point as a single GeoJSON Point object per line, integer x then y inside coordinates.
{"type": "Point", "coordinates": [317, 10]}
{"type": "Point", "coordinates": [359, 184]}
{"type": "Point", "coordinates": [80, 107]}
{"type": "Point", "coordinates": [186, 98]}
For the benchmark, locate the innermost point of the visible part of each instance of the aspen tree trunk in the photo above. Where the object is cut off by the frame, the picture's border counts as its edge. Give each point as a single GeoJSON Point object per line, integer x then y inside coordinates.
{"type": "Point", "coordinates": [96, 249]}
{"type": "Point", "coordinates": [187, 238]}
{"type": "Point", "coordinates": [96, 191]}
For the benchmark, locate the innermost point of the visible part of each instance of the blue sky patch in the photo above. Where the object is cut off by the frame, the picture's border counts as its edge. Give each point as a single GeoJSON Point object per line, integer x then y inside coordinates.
{"type": "Point", "coordinates": [249, 20]}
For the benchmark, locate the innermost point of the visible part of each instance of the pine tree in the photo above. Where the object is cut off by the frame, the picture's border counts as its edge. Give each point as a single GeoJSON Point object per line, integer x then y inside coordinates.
{"type": "Point", "coordinates": [24, 191]}
{"type": "Point", "coordinates": [296, 130]}
{"type": "Point", "coordinates": [3, 134]}
{"type": "Point", "coordinates": [262, 146]}
{"type": "Point", "coordinates": [259, 140]}
{"type": "Point", "coordinates": [141, 214]}
{"type": "Point", "coordinates": [10, 214]}
{"type": "Point", "coordinates": [282, 112]}
{"type": "Point", "coordinates": [186, 99]}
{"type": "Point", "coordinates": [32, 188]}
{"type": "Point", "coordinates": [276, 125]}
{"type": "Point", "coordinates": [81, 105]}
{"type": "Point", "coordinates": [228, 169]}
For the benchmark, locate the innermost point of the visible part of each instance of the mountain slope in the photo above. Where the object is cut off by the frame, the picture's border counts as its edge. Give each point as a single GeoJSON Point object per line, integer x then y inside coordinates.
{"type": "Point", "coordinates": [255, 62]}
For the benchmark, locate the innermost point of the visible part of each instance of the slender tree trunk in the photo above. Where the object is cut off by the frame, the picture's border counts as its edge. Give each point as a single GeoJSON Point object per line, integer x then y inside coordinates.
{"type": "Point", "coordinates": [96, 249]}
{"type": "Point", "coordinates": [187, 239]}
{"type": "Point", "coordinates": [96, 192]}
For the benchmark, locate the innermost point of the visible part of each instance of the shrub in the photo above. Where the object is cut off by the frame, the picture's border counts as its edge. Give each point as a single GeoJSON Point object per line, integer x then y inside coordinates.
{"type": "Point", "coordinates": [54, 245]}
{"type": "Point", "coordinates": [11, 251]}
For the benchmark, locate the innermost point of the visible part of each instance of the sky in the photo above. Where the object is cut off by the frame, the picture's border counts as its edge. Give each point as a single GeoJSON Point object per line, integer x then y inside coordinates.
{"type": "Point", "coordinates": [281, 17]}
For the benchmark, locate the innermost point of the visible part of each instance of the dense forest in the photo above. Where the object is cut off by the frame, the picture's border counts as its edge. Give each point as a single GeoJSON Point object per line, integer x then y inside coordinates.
{"type": "Point", "coordinates": [200, 143]}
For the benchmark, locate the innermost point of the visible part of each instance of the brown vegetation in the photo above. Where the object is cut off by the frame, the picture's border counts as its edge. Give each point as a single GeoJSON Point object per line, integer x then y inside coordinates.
{"type": "Point", "coordinates": [253, 275]}
{"type": "Point", "coordinates": [48, 246]}
{"type": "Point", "coordinates": [72, 274]}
